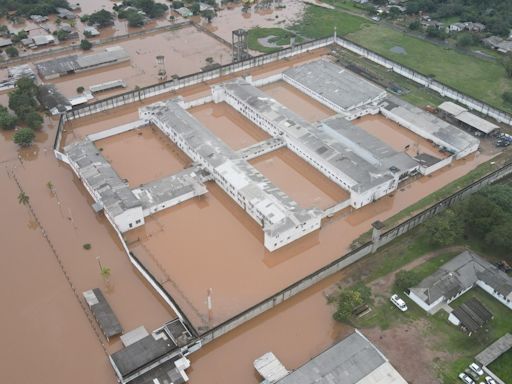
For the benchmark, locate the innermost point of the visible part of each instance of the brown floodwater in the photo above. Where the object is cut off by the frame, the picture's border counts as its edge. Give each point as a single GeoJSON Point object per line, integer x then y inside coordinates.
{"type": "Point", "coordinates": [210, 242]}
{"type": "Point", "coordinates": [299, 180]}
{"type": "Point", "coordinates": [295, 331]}
{"type": "Point", "coordinates": [185, 51]}
{"type": "Point", "coordinates": [229, 125]}
{"type": "Point", "coordinates": [48, 330]}
{"type": "Point", "coordinates": [143, 155]}
{"type": "Point", "coordinates": [397, 137]}
{"type": "Point", "coordinates": [298, 102]}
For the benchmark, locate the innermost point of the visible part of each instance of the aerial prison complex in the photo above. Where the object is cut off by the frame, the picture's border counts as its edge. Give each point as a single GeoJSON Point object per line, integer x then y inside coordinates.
{"type": "Point", "coordinates": [360, 163]}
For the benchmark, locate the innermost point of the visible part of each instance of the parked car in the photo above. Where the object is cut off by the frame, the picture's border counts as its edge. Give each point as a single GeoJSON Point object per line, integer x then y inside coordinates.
{"type": "Point", "coordinates": [490, 380]}
{"type": "Point", "coordinates": [476, 368]}
{"type": "Point", "coordinates": [471, 374]}
{"type": "Point", "coordinates": [465, 378]}
{"type": "Point", "coordinates": [399, 303]}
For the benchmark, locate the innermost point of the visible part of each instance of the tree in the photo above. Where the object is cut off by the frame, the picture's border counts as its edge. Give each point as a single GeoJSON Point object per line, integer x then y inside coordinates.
{"type": "Point", "coordinates": [347, 300]}
{"type": "Point", "coordinates": [135, 19]}
{"type": "Point", "coordinates": [7, 121]}
{"type": "Point", "coordinates": [208, 15]}
{"type": "Point", "coordinates": [507, 64]}
{"type": "Point", "coordinates": [415, 25]}
{"type": "Point", "coordinates": [24, 137]}
{"type": "Point", "coordinates": [465, 40]}
{"type": "Point", "coordinates": [23, 198]}
{"type": "Point", "coordinates": [405, 280]}
{"type": "Point", "coordinates": [436, 33]}
{"type": "Point", "coordinates": [80, 89]}
{"type": "Point", "coordinates": [500, 236]}
{"type": "Point", "coordinates": [507, 97]}
{"type": "Point", "coordinates": [33, 119]}
{"type": "Point", "coordinates": [11, 52]}
{"type": "Point", "coordinates": [105, 273]}
{"type": "Point", "coordinates": [444, 228]}
{"type": "Point", "coordinates": [49, 184]}
{"type": "Point", "coordinates": [85, 44]}
{"type": "Point", "coordinates": [195, 8]}
{"type": "Point", "coordinates": [102, 18]}
{"type": "Point", "coordinates": [62, 35]}
{"type": "Point", "coordinates": [177, 4]}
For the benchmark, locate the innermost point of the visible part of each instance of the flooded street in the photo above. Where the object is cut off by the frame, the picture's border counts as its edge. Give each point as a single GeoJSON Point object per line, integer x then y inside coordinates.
{"type": "Point", "coordinates": [298, 102]}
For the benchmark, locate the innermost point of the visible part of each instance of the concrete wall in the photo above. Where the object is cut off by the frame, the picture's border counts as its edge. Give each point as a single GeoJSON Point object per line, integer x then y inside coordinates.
{"type": "Point", "coordinates": [437, 166]}
{"type": "Point", "coordinates": [267, 80]}
{"type": "Point", "coordinates": [353, 256]}
{"type": "Point", "coordinates": [428, 82]}
{"type": "Point", "coordinates": [117, 130]}
{"type": "Point", "coordinates": [497, 296]}
{"type": "Point", "coordinates": [196, 78]}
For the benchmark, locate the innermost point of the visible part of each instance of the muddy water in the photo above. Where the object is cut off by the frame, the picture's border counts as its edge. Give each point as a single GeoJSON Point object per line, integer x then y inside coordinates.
{"type": "Point", "coordinates": [298, 102]}
{"type": "Point", "coordinates": [295, 332]}
{"type": "Point", "coordinates": [299, 180]}
{"type": "Point", "coordinates": [397, 137]}
{"type": "Point", "coordinates": [232, 18]}
{"type": "Point", "coordinates": [229, 125]}
{"type": "Point", "coordinates": [48, 331]}
{"type": "Point", "coordinates": [143, 155]}
{"type": "Point", "coordinates": [185, 51]}
{"type": "Point", "coordinates": [215, 241]}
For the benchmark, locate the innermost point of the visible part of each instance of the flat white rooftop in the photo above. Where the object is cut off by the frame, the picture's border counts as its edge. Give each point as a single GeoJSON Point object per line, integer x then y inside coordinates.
{"type": "Point", "coordinates": [466, 117]}
{"type": "Point", "coordinates": [336, 84]}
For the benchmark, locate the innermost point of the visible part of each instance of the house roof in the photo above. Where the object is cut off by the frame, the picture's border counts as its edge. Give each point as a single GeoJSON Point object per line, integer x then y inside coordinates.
{"type": "Point", "coordinates": [472, 314]}
{"type": "Point", "coordinates": [459, 274]}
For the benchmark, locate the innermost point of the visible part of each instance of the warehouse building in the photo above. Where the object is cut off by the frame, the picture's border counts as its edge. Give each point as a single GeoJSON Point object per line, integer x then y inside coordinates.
{"type": "Point", "coordinates": [282, 219]}
{"type": "Point", "coordinates": [466, 118]}
{"type": "Point", "coordinates": [336, 87]}
{"type": "Point", "coordinates": [327, 147]}
{"type": "Point", "coordinates": [446, 136]}
{"type": "Point", "coordinates": [67, 65]}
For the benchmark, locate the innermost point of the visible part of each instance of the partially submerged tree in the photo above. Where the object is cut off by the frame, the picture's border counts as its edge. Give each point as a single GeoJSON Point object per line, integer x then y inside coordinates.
{"type": "Point", "coordinates": [23, 198]}
{"type": "Point", "coordinates": [24, 137]}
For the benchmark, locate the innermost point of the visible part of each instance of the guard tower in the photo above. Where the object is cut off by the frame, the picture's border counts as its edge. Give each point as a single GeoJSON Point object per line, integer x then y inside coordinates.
{"type": "Point", "coordinates": [162, 73]}
{"type": "Point", "coordinates": [239, 42]}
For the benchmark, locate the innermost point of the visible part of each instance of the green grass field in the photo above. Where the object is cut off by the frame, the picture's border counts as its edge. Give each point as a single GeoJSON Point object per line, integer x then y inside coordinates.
{"type": "Point", "coordinates": [482, 79]}
{"type": "Point", "coordinates": [479, 78]}
{"type": "Point", "coordinates": [281, 38]}
{"type": "Point", "coordinates": [320, 22]}
{"type": "Point", "coordinates": [502, 367]}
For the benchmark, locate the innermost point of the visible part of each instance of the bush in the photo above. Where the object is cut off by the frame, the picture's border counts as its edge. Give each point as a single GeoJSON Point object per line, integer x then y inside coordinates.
{"type": "Point", "coordinates": [11, 52]}
{"type": "Point", "coordinates": [507, 97]}
{"type": "Point", "coordinates": [415, 25]}
{"type": "Point", "coordinates": [465, 40]}
{"type": "Point", "coordinates": [33, 119]}
{"type": "Point", "coordinates": [85, 44]}
{"type": "Point", "coordinates": [24, 137]}
{"type": "Point", "coordinates": [80, 89]}
{"type": "Point", "coordinates": [405, 280]}
{"type": "Point", "coordinates": [7, 121]}
{"type": "Point", "coordinates": [135, 19]}
{"type": "Point", "coordinates": [87, 246]}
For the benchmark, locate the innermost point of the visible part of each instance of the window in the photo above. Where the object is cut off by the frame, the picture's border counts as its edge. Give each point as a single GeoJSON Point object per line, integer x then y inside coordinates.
{"type": "Point", "coordinates": [137, 221]}
{"type": "Point", "coordinates": [130, 225]}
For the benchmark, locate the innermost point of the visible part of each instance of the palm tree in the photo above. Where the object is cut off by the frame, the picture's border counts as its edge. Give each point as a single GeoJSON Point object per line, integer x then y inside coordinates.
{"type": "Point", "coordinates": [105, 273]}
{"type": "Point", "coordinates": [23, 198]}
{"type": "Point", "coordinates": [50, 186]}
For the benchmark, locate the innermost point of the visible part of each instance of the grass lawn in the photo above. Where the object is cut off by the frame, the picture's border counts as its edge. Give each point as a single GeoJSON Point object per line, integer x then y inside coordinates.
{"type": "Point", "coordinates": [488, 79]}
{"type": "Point", "coordinates": [281, 37]}
{"type": "Point", "coordinates": [502, 367]}
{"type": "Point", "coordinates": [465, 348]}
{"type": "Point", "coordinates": [320, 22]}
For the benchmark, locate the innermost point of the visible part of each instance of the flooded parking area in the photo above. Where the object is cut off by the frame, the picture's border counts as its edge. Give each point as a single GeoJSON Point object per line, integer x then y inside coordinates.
{"type": "Point", "coordinates": [397, 137]}
{"type": "Point", "coordinates": [299, 180]}
{"type": "Point", "coordinates": [298, 102]}
{"type": "Point", "coordinates": [229, 125]}
{"type": "Point", "coordinates": [143, 155]}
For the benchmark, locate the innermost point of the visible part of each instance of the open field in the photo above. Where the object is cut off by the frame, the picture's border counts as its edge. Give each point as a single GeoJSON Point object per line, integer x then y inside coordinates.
{"type": "Point", "coordinates": [277, 36]}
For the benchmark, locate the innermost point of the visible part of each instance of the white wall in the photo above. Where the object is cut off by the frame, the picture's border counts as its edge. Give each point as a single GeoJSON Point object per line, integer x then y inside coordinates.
{"type": "Point", "coordinates": [129, 217]}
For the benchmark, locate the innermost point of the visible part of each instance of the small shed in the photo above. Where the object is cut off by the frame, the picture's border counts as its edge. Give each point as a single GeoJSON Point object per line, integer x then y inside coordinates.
{"type": "Point", "coordinates": [103, 313]}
